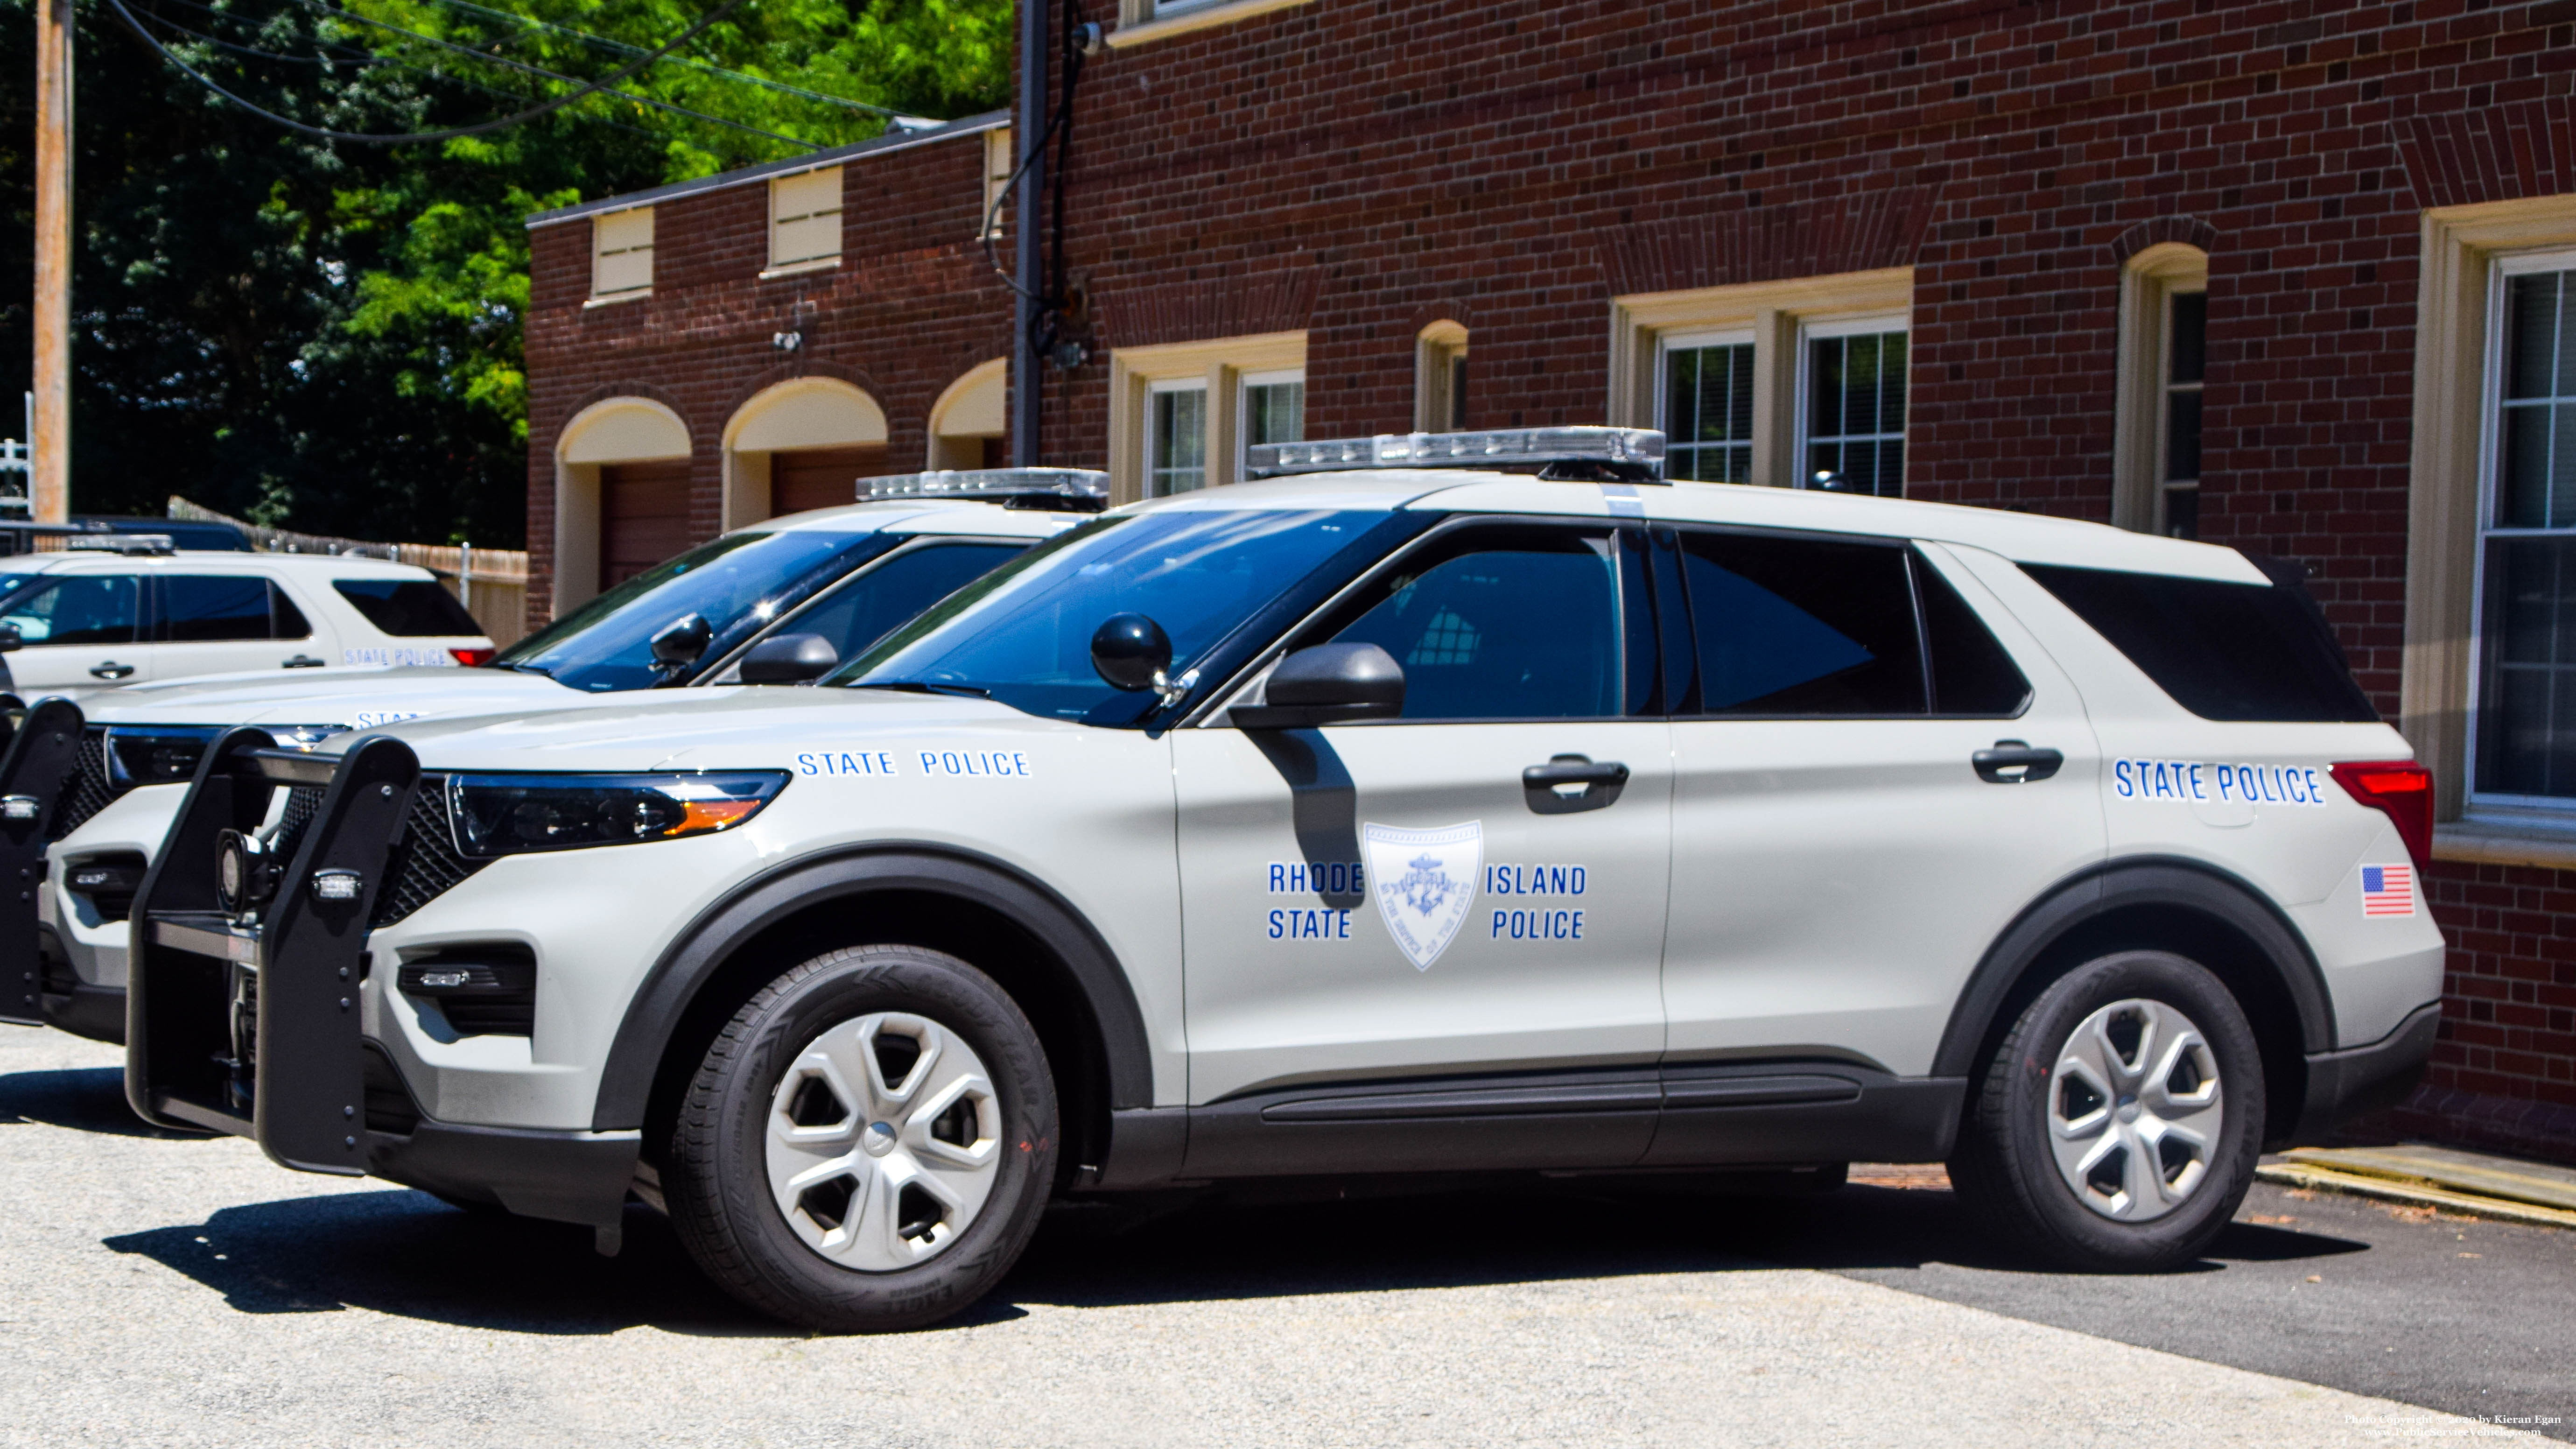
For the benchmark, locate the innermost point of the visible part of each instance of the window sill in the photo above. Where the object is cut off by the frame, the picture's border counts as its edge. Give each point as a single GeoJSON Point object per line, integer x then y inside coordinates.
{"type": "Point", "coordinates": [2488, 841]}
{"type": "Point", "coordinates": [1183, 24]}
{"type": "Point", "coordinates": [645, 295]}
{"type": "Point", "coordinates": [798, 269]}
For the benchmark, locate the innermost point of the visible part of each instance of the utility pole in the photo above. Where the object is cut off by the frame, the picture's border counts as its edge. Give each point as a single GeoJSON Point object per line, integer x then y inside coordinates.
{"type": "Point", "coordinates": [50, 450]}
{"type": "Point", "coordinates": [1027, 368]}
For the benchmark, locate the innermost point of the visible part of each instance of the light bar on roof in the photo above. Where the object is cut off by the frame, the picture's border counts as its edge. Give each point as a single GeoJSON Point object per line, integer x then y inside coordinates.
{"type": "Point", "coordinates": [1624, 450]}
{"type": "Point", "coordinates": [987, 483]}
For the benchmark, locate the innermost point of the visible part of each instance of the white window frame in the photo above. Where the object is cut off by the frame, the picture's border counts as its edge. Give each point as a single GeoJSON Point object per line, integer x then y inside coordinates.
{"type": "Point", "coordinates": [1245, 382]}
{"type": "Point", "coordinates": [2165, 488]}
{"type": "Point", "coordinates": [1825, 329]}
{"type": "Point", "coordinates": [600, 252]}
{"type": "Point", "coordinates": [1682, 340]}
{"type": "Point", "coordinates": [1219, 365]}
{"type": "Point", "coordinates": [1168, 387]}
{"type": "Point", "coordinates": [820, 261]}
{"type": "Point", "coordinates": [999, 162]}
{"type": "Point", "coordinates": [1439, 373]}
{"type": "Point", "coordinates": [2552, 809]}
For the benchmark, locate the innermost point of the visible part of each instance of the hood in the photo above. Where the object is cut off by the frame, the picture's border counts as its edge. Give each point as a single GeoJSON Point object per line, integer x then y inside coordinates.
{"type": "Point", "coordinates": [356, 698]}
{"type": "Point", "coordinates": [721, 728]}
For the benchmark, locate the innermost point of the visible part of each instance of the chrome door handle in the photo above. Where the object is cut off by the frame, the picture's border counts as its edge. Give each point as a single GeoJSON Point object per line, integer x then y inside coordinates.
{"type": "Point", "coordinates": [1544, 787]}
{"type": "Point", "coordinates": [301, 661]}
{"type": "Point", "coordinates": [2014, 762]}
{"type": "Point", "coordinates": [111, 670]}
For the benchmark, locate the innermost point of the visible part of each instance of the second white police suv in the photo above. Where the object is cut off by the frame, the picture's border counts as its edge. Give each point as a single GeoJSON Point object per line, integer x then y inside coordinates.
{"type": "Point", "coordinates": [1389, 816]}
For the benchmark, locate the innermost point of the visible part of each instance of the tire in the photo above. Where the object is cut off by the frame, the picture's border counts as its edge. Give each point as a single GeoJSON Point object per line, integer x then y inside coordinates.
{"type": "Point", "coordinates": [920, 1079]}
{"type": "Point", "coordinates": [2091, 1139]}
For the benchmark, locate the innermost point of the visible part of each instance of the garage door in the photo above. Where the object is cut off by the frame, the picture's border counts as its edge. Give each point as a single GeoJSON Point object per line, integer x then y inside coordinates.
{"type": "Point", "coordinates": [643, 517]}
{"type": "Point", "coordinates": [820, 477]}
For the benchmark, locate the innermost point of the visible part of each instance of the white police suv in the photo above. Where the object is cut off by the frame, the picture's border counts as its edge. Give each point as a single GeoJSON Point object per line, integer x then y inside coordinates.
{"type": "Point", "coordinates": [775, 602]}
{"type": "Point", "coordinates": [1369, 820]}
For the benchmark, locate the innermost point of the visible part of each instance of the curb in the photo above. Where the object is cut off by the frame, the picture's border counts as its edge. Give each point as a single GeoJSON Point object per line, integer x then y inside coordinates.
{"type": "Point", "coordinates": [2329, 1180]}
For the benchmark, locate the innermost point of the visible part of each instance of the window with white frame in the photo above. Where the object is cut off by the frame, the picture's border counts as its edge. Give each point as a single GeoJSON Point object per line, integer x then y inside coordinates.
{"type": "Point", "coordinates": [2525, 729]}
{"type": "Point", "coordinates": [1704, 398]}
{"type": "Point", "coordinates": [1440, 379]}
{"type": "Point", "coordinates": [998, 165]}
{"type": "Point", "coordinates": [2183, 359]}
{"type": "Point", "coordinates": [805, 219]}
{"type": "Point", "coordinates": [1273, 409]}
{"type": "Point", "coordinates": [1851, 413]}
{"type": "Point", "coordinates": [621, 254]}
{"type": "Point", "coordinates": [1175, 437]}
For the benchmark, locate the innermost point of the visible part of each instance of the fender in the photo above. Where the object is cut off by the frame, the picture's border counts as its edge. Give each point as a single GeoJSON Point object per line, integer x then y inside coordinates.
{"type": "Point", "coordinates": [2155, 881]}
{"type": "Point", "coordinates": [675, 980]}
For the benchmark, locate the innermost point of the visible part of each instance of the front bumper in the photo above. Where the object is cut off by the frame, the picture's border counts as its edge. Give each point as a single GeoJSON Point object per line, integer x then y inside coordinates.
{"type": "Point", "coordinates": [2343, 1085]}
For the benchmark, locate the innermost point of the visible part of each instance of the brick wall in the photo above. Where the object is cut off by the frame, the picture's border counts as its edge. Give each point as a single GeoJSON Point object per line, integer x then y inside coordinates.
{"type": "Point", "coordinates": [1362, 169]}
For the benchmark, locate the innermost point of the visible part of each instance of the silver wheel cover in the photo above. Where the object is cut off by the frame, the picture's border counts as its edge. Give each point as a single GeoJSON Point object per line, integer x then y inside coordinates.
{"type": "Point", "coordinates": [2135, 1108]}
{"type": "Point", "coordinates": [884, 1138]}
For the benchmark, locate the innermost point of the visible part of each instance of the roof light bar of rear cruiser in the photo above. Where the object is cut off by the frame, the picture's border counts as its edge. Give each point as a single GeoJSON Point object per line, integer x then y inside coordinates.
{"type": "Point", "coordinates": [1080, 490]}
{"type": "Point", "coordinates": [1587, 454]}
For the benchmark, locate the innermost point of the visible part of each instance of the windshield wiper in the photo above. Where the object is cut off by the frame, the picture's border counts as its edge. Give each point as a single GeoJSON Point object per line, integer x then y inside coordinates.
{"type": "Point", "coordinates": [924, 686]}
{"type": "Point", "coordinates": [526, 668]}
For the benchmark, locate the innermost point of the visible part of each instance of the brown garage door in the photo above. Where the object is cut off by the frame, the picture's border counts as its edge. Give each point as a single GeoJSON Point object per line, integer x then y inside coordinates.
{"type": "Point", "coordinates": [643, 517]}
{"type": "Point", "coordinates": [820, 477]}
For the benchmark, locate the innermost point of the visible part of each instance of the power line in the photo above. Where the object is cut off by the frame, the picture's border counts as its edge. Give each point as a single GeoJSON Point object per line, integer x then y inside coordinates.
{"type": "Point", "coordinates": [451, 133]}
{"type": "Point", "coordinates": [624, 48]}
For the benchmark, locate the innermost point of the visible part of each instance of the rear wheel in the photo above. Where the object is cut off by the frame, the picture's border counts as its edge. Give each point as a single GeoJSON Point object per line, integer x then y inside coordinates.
{"type": "Point", "coordinates": [868, 1144]}
{"type": "Point", "coordinates": [2117, 1124]}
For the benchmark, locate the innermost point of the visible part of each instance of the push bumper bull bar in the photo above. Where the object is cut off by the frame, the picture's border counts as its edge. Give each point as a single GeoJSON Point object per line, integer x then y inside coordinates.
{"type": "Point", "coordinates": [38, 761]}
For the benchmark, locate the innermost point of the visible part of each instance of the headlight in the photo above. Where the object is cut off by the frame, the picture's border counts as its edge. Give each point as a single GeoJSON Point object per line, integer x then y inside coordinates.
{"type": "Point", "coordinates": [168, 754]}
{"type": "Point", "coordinates": [512, 814]}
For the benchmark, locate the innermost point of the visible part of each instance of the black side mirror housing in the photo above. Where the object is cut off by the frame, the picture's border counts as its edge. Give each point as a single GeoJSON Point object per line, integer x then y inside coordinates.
{"type": "Point", "coordinates": [1327, 684]}
{"type": "Point", "coordinates": [10, 638]}
{"type": "Point", "coordinates": [682, 641]}
{"type": "Point", "coordinates": [1131, 652]}
{"type": "Point", "coordinates": [788, 659]}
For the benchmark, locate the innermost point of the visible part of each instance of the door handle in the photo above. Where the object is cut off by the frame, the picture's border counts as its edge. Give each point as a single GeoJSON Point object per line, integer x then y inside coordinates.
{"type": "Point", "coordinates": [301, 661]}
{"type": "Point", "coordinates": [1543, 787]}
{"type": "Point", "coordinates": [111, 670]}
{"type": "Point", "coordinates": [2014, 762]}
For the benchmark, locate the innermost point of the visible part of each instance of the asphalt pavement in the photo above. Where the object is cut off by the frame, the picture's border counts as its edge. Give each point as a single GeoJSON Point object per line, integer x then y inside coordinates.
{"type": "Point", "coordinates": [165, 1290]}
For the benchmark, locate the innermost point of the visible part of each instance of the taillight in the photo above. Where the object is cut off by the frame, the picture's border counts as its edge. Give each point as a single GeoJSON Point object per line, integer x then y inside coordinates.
{"type": "Point", "coordinates": [2403, 791]}
{"type": "Point", "coordinates": [473, 658]}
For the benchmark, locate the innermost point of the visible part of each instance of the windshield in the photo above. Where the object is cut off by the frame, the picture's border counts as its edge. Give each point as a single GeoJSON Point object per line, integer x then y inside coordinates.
{"type": "Point", "coordinates": [1022, 634]}
{"type": "Point", "coordinates": [737, 583]}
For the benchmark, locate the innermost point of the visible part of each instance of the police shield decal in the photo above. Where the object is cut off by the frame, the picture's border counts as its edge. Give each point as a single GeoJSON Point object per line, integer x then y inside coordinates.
{"type": "Point", "coordinates": [1424, 881]}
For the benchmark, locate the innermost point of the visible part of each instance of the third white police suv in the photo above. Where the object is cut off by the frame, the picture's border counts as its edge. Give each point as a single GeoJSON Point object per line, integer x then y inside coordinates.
{"type": "Point", "coordinates": [778, 601]}
{"type": "Point", "coordinates": [1373, 819]}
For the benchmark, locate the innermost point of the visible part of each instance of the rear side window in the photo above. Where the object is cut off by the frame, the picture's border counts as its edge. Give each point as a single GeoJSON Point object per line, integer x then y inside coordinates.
{"type": "Point", "coordinates": [1971, 673]}
{"type": "Point", "coordinates": [1797, 626]}
{"type": "Point", "coordinates": [2237, 652]}
{"type": "Point", "coordinates": [408, 608]}
{"type": "Point", "coordinates": [209, 608]}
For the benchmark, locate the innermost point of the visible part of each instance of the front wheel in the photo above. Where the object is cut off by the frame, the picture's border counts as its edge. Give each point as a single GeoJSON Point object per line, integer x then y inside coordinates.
{"type": "Point", "coordinates": [2118, 1122]}
{"type": "Point", "coordinates": [868, 1143]}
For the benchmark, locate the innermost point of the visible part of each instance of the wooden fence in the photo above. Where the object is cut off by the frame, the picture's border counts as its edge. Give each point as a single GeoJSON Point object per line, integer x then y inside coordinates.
{"type": "Point", "coordinates": [492, 583]}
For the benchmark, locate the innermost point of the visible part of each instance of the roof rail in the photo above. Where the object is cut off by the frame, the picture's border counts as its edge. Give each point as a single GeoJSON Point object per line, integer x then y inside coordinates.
{"type": "Point", "coordinates": [1584, 454]}
{"type": "Point", "coordinates": [1070, 490]}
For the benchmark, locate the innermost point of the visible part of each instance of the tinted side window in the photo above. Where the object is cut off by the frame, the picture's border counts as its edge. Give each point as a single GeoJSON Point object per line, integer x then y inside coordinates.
{"type": "Point", "coordinates": [1801, 626]}
{"type": "Point", "coordinates": [2223, 651]}
{"type": "Point", "coordinates": [1971, 673]}
{"type": "Point", "coordinates": [285, 621]}
{"type": "Point", "coordinates": [85, 609]}
{"type": "Point", "coordinates": [408, 608]}
{"type": "Point", "coordinates": [871, 606]}
{"type": "Point", "coordinates": [1518, 623]}
{"type": "Point", "coordinates": [209, 608]}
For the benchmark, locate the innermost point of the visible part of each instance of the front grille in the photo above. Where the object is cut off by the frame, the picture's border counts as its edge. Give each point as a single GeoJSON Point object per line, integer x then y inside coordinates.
{"type": "Point", "coordinates": [88, 791]}
{"type": "Point", "coordinates": [303, 802]}
{"type": "Point", "coordinates": [424, 864]}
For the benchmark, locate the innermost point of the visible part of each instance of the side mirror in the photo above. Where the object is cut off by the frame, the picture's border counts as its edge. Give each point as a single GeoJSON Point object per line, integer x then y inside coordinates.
{"type": "Point", "coordinates": [788, 659]}
{"type": "Point", "coordinates": [10, 639]}
{"type": "Point", "coordinates": [1131, 652]}
{"type": "Point", "coordinates": [1327, 684]}
{"type": "Point", "coordinates": [679, 645]}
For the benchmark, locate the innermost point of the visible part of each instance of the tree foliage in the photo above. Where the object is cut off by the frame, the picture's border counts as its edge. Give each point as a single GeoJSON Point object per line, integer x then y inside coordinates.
{"type": "Point", "coordinates": [327, 334]}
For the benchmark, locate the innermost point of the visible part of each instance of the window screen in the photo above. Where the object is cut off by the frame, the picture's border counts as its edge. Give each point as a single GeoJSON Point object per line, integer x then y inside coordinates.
{"type": "Point", "coordinates": [1510, 623]}
{"type": "Point", "coordinates": [408, 608]}
{"type": "Point", "coordinates": [2224, 651]}
{"type": "Point", "coordinates": [1802, 626]}
{"type": "Point", "coordinates": [212, 608]}
{"type": "Point", "coordinates": [1971, 673]}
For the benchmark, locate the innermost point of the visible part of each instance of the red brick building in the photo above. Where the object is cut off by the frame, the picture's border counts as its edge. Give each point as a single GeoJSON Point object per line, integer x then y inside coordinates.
{"type": "Point", "coordinates": [2295, 276]}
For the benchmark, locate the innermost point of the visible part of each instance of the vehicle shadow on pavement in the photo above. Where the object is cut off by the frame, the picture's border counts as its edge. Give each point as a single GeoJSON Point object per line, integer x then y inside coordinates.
{"type": "Point", "coordinates": [85, 1099]}
{"type": "Point", "coordinates": [407, 1254]}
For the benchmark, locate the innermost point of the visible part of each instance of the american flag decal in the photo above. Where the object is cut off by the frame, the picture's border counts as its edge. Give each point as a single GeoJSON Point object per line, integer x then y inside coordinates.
{"type": "Point", "coordinates": [2388, 890]}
